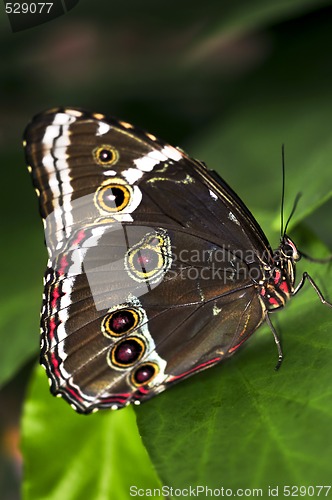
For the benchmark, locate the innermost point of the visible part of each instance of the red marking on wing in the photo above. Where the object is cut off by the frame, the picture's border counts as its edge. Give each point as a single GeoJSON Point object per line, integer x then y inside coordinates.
{"type": "Point", "coordinates": [143, 391]}
{"type": "Point", "coordinates": [73, 393]}
{"type": "Point", "coordinates": [117, 398]}
{"type": "Point", "coordinates": [171, 378]}
{"type": "Point", "coordinates": [79, 237]}
{"type": "Point", "coordinates": [55, 296]}
{"type": "Point", "coordinates": [237, 345]}
{"type": "Point", "coordinates": [55, 364]}
{"type": "Point", "coordinates": [63, 265]}
{"type": "Point", "coordinates": [52, 327]}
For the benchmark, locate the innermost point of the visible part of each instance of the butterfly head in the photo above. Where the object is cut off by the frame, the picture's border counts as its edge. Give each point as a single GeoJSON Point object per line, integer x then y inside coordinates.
{"type": "Point", "coordinates": [288, 250]}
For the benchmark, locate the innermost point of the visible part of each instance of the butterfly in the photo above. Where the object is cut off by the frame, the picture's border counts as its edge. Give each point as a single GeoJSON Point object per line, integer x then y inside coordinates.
{"type": "Point", "coordinates": [156, 271]}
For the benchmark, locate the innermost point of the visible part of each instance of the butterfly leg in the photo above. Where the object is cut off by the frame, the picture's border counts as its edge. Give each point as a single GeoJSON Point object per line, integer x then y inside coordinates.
{"type": "Point", "coordinates": [307, 277]}
{"type": "Point", "coordinates": [277, 341]}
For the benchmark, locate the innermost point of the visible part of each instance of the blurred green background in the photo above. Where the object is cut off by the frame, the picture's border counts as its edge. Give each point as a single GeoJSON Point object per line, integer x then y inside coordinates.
{"type": "Point", "coordinates": [229, 81]}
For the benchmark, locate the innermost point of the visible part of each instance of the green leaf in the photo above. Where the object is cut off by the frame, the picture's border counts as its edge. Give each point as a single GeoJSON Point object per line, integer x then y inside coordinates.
{"type": "Point", "coordinates": [73, 456]}
{"type": "Point", "coordinates": [23, 258]}
{"type": "Point", "coordinates": [243, 425]}
{"type": "Point", "coordinates": [19, 326]}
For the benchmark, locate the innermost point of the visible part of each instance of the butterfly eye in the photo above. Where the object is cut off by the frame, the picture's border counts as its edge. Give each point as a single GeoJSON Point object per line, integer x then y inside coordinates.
{"type": "Point", "coordinates": [144, 373]}
{"type": "Point", "coordinates": [288, 251]}
{"type": "Point", "coordinates": [119, 322]}
{"type": "Point", "coordinates": [126, 352]}
{"type": "Point", "coordinates": [106, 155]}
{"type": "Point", "coordinates": [112, 198]}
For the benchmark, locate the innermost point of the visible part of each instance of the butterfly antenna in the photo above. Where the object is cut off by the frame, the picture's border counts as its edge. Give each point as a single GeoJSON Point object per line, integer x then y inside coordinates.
{"type": "Point", "coordinates": [282, 232]}
{"type": "Point", "coordinates": [298, 196]}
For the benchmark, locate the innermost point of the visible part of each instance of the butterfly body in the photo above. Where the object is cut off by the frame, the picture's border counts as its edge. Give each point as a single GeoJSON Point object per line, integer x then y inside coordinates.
{"type": "Point", "coordinates": [156, 269]}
